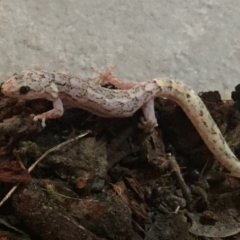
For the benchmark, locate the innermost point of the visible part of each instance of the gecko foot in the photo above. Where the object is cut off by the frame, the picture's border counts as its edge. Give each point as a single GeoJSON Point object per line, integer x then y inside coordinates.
{"type": "Point", "coordinates": [147, 126]}
{"type": "Point", "coordinates": [102, 78]}
{"type": "Point", "coordinates": [43, 119]}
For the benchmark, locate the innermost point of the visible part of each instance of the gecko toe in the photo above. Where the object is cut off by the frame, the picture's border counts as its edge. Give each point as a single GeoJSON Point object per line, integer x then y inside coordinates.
{"type": "Point", "coordinates": [147, 126]}
{"type": "Point", "coordinates": [38, 117]}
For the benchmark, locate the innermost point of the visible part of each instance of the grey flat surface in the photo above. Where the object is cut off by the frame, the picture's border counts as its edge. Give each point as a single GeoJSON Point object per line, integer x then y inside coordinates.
{"type": "Point", "coordinates": [195, 41]}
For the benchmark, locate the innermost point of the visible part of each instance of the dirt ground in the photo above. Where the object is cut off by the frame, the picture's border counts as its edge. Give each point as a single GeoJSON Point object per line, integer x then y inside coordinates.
{"type": "Point", "coordinates": [86, 177]}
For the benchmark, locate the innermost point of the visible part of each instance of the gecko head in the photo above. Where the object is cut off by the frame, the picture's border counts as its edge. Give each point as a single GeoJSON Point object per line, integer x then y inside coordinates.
{"type": "Point", "coordinates": [16, 87]}
{"type": "Point", "coordinates": [28, 85]}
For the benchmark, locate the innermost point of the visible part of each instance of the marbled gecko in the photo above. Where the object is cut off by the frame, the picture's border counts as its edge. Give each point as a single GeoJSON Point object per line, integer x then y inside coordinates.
{"type": "Point", "coordinates": [64, 89]}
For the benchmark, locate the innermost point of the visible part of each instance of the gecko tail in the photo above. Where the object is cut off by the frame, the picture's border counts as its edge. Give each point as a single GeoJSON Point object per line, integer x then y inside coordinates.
{"type": "Point", "coordinates": [200, 117]}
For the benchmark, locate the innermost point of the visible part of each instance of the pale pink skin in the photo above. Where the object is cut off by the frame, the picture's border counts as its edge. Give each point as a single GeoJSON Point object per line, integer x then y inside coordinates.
{"type": "Point", "coordinates": [148, 108]}
{"type": "Point", "coordinates": [64, 89]}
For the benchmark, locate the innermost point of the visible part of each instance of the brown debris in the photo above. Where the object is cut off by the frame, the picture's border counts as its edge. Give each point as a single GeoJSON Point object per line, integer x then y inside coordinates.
{"type": "Point", "coordinates": [154, 149]}
{"type": "Point", "coordinates": [117, 183]}
{"type": "Point", "coordinates": [14, 175]}
{"type": "Point", "coordinates": [168, 228]}
{"type": "Point", "coordinates": [48, 221]}
{"type": "Point", "coordinates": [133, 199]}
{"type": "Point", "coordinates": [183, 186]}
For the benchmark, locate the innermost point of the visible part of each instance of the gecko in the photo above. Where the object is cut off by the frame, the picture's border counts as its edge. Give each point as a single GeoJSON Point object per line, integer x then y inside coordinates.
{"type": "Point", "coordinates": [63, 89]}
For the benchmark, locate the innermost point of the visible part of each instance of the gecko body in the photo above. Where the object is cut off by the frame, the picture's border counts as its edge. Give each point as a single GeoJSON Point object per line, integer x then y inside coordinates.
{"type": "Point", "coordinates": [63, 89]}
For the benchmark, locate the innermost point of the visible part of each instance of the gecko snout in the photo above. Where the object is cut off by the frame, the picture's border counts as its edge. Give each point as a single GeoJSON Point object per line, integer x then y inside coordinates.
{"type": "Point", "coordinates": [8, 88]}
{"type": "Point", "coordinates": [3, 88]}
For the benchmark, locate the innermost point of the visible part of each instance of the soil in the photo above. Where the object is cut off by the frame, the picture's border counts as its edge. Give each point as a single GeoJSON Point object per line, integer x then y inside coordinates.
{"type": "Point", "coordinates": [112, 180]}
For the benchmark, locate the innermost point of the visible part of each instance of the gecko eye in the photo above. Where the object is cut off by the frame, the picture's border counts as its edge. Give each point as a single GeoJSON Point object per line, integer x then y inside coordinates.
{"type": "Point", "coordinates": [24, 89]}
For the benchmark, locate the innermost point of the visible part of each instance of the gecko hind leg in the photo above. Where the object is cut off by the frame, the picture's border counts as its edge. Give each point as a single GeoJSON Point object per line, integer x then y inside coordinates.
{"type": "Point", "coordinates": [108, 77]}
{"type": "Point", "coordinates": [150, 121]}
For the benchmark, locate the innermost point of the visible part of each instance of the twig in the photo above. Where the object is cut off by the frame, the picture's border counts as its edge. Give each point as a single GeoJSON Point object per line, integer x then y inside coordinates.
{"type": "Point", "coordinates": [40, 159]}
{"type": "Point", "coordinates": [185, 190]}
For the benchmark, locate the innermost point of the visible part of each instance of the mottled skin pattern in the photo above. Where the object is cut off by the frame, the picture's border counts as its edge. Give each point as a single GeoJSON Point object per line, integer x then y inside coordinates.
{"type": "Point", "coordinates": [63, 89]}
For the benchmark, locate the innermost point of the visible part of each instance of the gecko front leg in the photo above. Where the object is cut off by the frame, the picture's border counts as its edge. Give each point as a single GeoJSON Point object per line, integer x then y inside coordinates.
{"type": "Point", "coordinates": [56, 112]}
